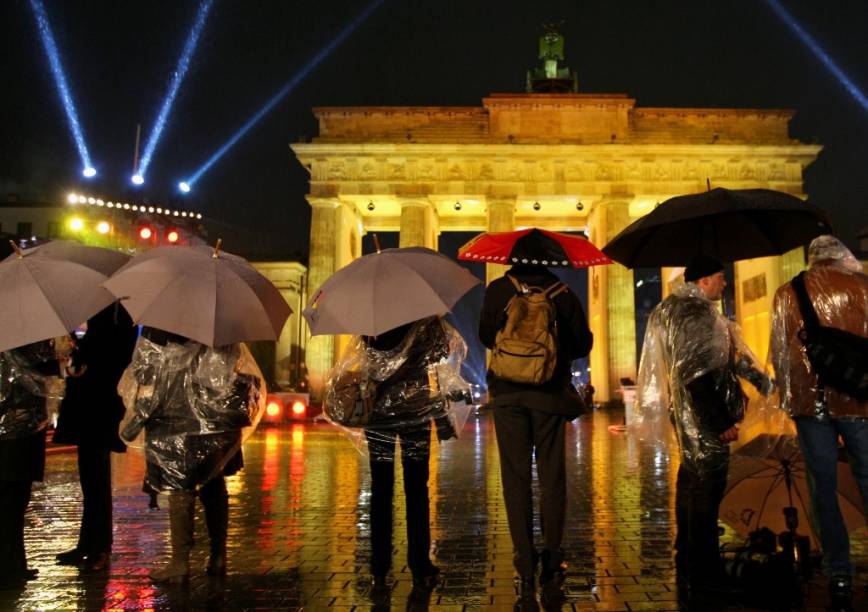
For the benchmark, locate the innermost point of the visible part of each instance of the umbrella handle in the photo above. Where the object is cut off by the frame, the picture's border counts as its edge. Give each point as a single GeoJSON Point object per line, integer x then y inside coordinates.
{"type": "Point", "coordinates": [17, 249]}
{"type": "Point", "coordinates": [376, 242]}
{"type": "Point", "coordinates": [217, 248]}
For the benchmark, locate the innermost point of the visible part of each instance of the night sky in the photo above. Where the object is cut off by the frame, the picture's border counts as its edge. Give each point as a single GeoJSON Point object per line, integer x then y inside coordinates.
{"type": "Point", "coordinates": [118, 57]}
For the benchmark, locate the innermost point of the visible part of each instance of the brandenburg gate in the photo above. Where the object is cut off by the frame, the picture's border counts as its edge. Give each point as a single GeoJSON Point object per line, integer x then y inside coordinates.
{"type": "Point", "coordinates": [560, 161]}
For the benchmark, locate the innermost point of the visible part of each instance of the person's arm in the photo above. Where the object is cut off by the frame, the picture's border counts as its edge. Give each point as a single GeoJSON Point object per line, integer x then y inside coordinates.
{"type": "Point", "coordinates": [575, 337]}
{"type": "Point", "coordinates": [708, 404]}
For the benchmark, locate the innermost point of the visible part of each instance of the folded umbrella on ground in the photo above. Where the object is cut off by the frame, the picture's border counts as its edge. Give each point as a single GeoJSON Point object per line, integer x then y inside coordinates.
{"type": "Point", "coordinates": [725, 224]}
{"type": "Point", "coordinates": [533, 246]}
{"type": "Point", "coordinates": [385, 290]}
{"type": "Point", "coordinates": [48, 291]}
{"type": "Point", "coordinates": [201, 293]}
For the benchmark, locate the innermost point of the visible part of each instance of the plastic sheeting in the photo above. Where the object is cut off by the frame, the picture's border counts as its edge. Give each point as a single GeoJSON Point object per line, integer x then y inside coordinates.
{"type": "Point", "coordinates": [689, 372]}
{"type": "Point", "coordinates": [190, 407]}
{"type": "Point", "coordinates": [377, 393]}
{"type": "Point", "coordinates": [839, 294]}
{"type": "Point", "coordinates": [30, 384]}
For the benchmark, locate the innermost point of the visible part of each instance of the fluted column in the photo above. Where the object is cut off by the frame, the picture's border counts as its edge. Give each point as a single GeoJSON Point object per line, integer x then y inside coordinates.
{"type": "Point", "coordinates": [612, 313]}
{"type": "Point", "coordinates": [319, 356]}
{"type": "Point", "coordinates": [501, 218]}
{"type": "Point", "coordinates": [419, 224]}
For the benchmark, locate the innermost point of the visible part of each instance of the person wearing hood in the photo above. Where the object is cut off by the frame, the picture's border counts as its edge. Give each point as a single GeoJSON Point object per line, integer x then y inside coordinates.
{"type": "Point", "coordinates": [691, 358]}
{"type": "Point", "coordinates": [89, 418]}
{"type": "Point", "coordinates": [838, 292]}
{"type": "Point", "coordinates": [529, 418]}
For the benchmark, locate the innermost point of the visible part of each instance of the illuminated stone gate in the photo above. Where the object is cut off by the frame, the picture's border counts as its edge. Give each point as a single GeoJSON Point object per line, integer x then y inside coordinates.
{"type": "Point", "coordinates": [566, 162]}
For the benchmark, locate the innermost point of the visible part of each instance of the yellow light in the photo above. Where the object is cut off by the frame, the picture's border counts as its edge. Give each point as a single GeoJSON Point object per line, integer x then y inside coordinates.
{"type": "Point", "coordinates": [91, 200]}
{"type": "Point", "coordinates": [298, 407]}
{"type": "Point", "coordinates": [76, 224]}
{"type": "Point", "coordinates": [103, 227]}
{"type": "Point", "coordinates": [72, 198]}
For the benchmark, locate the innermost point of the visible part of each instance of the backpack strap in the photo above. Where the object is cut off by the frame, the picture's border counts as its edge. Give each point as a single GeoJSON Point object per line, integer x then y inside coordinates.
{"type": "Point", "coordinates": [809, 315]}
{"type": "Point", "coordinates": [554, 290]}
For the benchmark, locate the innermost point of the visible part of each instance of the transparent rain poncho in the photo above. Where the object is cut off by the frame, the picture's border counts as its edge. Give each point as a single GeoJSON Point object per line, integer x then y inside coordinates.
{"type": "Point", "coordinates": [376, 394]}
{"type": "Point", "coordinates": [839, 294]}
{"type": "Point", "coordinates": [689, 372]}
{"type": "Point", "coordinates": [190, 406]}
{"type": "Point", "coordinates": [30, 384]}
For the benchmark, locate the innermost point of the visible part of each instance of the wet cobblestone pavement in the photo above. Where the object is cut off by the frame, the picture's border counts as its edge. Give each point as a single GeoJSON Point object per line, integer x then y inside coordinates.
{"type": "Point", "coordinates": [299, 531]}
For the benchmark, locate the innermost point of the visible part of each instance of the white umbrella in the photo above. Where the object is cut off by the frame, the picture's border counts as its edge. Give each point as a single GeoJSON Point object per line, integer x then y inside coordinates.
{"type": "Point", "coordinates": [385, 290]}
{"type": "Point", "coordinates": [201, 293]}
{"type": "Point", "coordinates": [43, 297]}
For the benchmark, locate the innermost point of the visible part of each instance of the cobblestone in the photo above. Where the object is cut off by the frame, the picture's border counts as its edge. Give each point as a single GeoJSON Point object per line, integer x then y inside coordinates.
{"type": "Point", "coordinates": [299, 531]}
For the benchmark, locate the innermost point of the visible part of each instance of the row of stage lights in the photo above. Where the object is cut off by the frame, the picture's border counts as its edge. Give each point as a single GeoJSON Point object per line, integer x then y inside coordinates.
{"type": "Point", "coordinates": [76, 198]}
{"type": "Point", "coordinates": [136, 179]}
{"type": "Point", "coordinates": [145, 232]}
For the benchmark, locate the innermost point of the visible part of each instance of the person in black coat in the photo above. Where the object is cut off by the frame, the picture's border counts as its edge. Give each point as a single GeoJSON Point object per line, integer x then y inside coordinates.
{"type": "Point", "coordinates": [404, 411]}
{"type": "Point", "coordinates": [529, 422]}
{"type": "Point", "coordinates": [89, 418]}
{"type": "Point", "coordinates": [23, 419]}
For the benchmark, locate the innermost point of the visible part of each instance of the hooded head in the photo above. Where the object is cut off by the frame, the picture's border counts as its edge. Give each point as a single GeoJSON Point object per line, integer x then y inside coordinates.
{"type": "Point", "coordinates": [828, 250]}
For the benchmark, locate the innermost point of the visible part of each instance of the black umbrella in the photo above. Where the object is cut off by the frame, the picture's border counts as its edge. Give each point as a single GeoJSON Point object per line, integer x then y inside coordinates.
{"type": "Point", "coordinates": [725, 224]}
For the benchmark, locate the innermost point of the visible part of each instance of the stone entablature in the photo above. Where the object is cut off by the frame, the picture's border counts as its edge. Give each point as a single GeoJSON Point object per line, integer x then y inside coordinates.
{"type": "Point", "coordinates": [567, 118]}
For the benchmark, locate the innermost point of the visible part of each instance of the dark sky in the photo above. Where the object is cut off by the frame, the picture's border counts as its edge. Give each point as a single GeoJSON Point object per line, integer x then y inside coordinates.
{"type": "Point", "coordinates": [118, 56]}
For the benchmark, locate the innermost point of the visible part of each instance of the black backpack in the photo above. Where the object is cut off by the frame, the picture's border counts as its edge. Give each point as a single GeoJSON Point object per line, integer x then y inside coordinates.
{"type": "Point", "coordinates": [839, 358]}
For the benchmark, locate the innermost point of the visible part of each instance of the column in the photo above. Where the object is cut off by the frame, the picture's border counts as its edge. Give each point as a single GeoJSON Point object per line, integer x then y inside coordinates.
{"type": "Point", "coordinates": [320, 352]}
{"type": "Point", "coordinates": [611, 308]}
{"type": "Point", "coordinates": [501, 218]}
{"type": "Point", "coordinates": [420, 225]}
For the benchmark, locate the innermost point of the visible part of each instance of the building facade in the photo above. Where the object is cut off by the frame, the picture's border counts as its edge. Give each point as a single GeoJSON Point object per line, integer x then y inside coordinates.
{"type": "Point", "coordinates": [565, 162]}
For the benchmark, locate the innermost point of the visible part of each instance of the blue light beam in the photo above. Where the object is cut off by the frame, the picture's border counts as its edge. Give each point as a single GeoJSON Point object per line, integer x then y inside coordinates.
{"type": "Point", "coordinates": [283, 91]}
{"type": "Point", "coordinates": [174, 85]}
{"type": "Point", "coordinates": [817, 50]}
{"type": "Point", "coordinates": [62, 87]}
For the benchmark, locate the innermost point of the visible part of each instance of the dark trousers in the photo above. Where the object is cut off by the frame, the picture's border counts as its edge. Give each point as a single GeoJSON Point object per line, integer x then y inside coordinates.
{"type": "Point", "coordinates": [95, 476]}
{"type": "Point", "coordinates": [14, 497]}
{"type": "Point", "coordinates": [523, 433]}
{"type": "Point", "coordinates": [415, 451]}
{"type": "Point", "coordinates": [215, 500]}
{"type": "Point", "coordinates": [697, 503]}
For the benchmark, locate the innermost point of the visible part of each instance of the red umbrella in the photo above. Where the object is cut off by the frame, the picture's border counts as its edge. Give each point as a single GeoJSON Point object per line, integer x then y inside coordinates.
{"type": "Point", "coordinates": [533, 246]}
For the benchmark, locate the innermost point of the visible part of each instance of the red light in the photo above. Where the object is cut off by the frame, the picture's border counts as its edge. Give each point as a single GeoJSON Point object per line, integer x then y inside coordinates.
{"type": "Point", "coordinates": [172, 236]}
{"type": "Point", "coordinates": [145, 233]}
{"type": "Point", "coordinates": [298, 407]}
{"type": "Point", "coordinates": [273, 409]}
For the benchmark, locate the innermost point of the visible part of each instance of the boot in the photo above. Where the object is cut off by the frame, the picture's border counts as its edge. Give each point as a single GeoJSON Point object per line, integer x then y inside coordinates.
{"type": "Point", "coordinates": [216, 504]}
{"type": "Point", "coordinates": [181, 507]}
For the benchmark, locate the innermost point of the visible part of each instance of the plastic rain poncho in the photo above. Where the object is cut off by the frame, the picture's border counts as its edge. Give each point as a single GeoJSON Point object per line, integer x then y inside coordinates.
{"type": "Point", "coordinates": [838, 290]}
{"type": "Point", "coordinates": [688, 375]}
{"type": "Point", "coordinates": [193, 405]}
{"type": "Point", "coordinates": [380, 393]}
{"type": "Point", "coordinates": [30, 384]}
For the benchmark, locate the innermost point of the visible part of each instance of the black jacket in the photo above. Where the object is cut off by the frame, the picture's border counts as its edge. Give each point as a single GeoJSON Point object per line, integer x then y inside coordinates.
{"type": "Point", "coordinates": [92, 409]}
{"type": "Point", "coordinates": [557, 396]}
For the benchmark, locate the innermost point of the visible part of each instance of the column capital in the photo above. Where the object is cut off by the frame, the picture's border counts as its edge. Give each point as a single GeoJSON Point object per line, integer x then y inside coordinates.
{"type": "Point", "coordinates": [418, 201]}
{"type": "Point", "coordinates": [319, 202]}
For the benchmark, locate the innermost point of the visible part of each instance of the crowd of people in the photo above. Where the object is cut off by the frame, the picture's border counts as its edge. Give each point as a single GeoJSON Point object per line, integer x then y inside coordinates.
{"type": "Point", "coordinates": [189, 403]}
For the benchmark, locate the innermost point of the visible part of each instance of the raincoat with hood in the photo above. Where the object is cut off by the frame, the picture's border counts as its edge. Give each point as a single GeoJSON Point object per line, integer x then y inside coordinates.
{"type": "Point", "coordinates": [838, 290]}
{"type": "Point", "coordinates": [691, 359]}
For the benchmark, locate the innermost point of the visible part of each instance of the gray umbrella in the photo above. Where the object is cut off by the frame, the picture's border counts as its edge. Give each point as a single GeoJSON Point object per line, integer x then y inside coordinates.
{"type": "Point", "coordinates": [385, 290]}
{"type": "Point", "coordinates": [44, 297]}
{"type": "Point", "coordinates": [202, 293]}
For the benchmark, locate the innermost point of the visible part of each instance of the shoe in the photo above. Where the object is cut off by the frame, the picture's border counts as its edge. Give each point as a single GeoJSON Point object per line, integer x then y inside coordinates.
{"type": "Point", "coordinates": [427, 579]}
{"type": "Point", "coordinates": [70, 557]}
{"type": "Point", "coordinates": [98, 563]}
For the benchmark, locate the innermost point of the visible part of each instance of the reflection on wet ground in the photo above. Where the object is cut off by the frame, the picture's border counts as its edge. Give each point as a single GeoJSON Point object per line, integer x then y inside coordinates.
{"type": "Point", "coordinates": [299, 531]}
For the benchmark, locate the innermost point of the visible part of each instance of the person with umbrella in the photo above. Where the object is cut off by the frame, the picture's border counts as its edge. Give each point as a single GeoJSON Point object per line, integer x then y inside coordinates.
{"type": "Point", "coordinates": [837, 291]}
{"type": "Point", "coordinates": [192, 402]}
{"type": "Point", "coordinates": [690, 361]}
{"type": "Point", "coordinates": [26, 381]}
{"type": "Point", "coordinates": [395, 378]}
{"type": "Point", "coordinates": [89, 416]}
{"type": "Point", "coordinates": [535, 326]}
